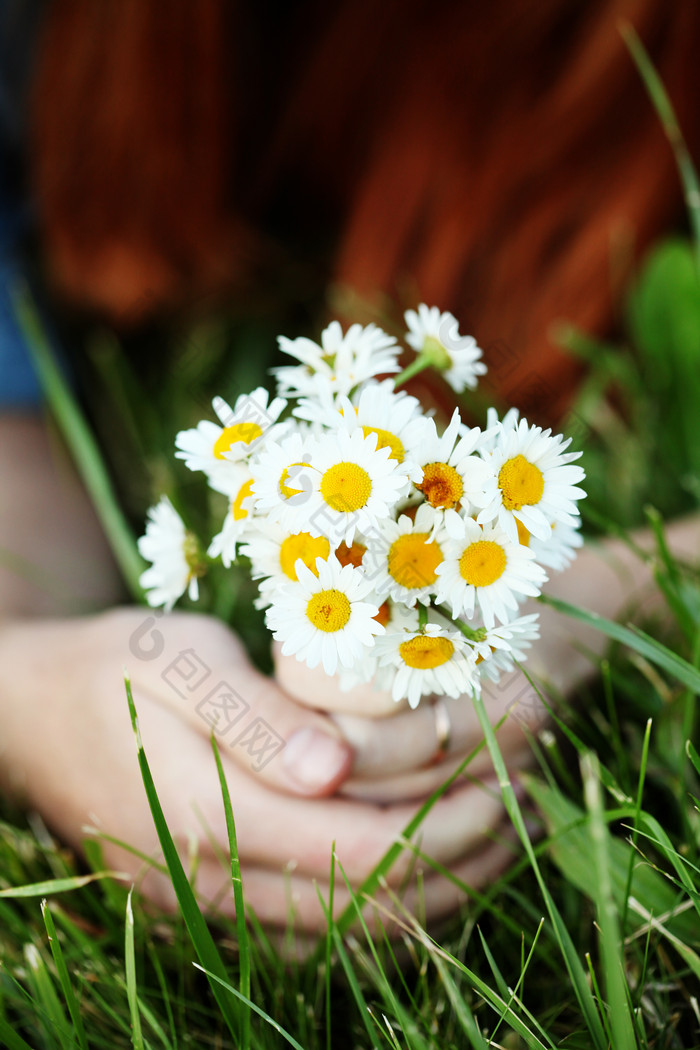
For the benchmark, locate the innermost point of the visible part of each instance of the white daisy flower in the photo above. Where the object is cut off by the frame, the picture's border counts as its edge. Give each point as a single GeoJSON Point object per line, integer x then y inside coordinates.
{"type": "Point", "coordinates": [216, 449]}
{"type": "Point", "coordinates": [485, 567]}
{"type": "Point", "coordinates": [495, 428]}
{"type": "Point", "coordinates": [536, 481]}
{"type": "Point", "coordinates": [394, 416]}
{"type": "Point", "coordinates": [392, 618]}
{"type": "Point", "coordinates": [403, 557]}
{"type": "Point", "coordinates": [426, 661]}
{"type": "Point", "coordinates": [453, 478]}
{"type": "Point", "coordinates": [324, 619]}
{"type": "Point", "coordinates": [283, 480]}
{"type": "Point", "coordinates": [559, 549]}
{"type": "Point", "coordinates": [437, 334]}
{"type": "Point", "coordinates": [174, 554]}
{"type": "Point", "coordinates": [238, 518]}
{"type": "Point", "coordinates": [342, 361]}
{"type": "Point", "coordinates": [274, 553]}
{"type": "Point", "coordinates": [354, 484]}
{"type": "Point", "coordinates": [504, 644]}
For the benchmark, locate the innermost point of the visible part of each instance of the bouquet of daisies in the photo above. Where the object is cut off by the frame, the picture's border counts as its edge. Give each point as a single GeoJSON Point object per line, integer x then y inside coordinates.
{"type": "Point", "coordinates": [385, 548]}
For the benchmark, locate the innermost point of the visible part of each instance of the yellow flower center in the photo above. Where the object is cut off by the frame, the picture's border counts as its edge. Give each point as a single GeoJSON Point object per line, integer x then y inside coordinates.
{"type": "Point", "coordinates": [237, 504]}
{"type": "Point", "coordinates": [245, 432]}
{"type": "Point", "coordinates": [346, 487]}
{"type": "Point", "coordinates": [441, 485]}
{"type": "Point", "coordinates": [329, 610]}
{"type": "Point", "coordinates": [413, 561]}
{"type": "Point", "coordinates": [521, 483]}
{"type": "Point", "coordinates": [523, 533]}
{"type": "Point", "coordinates": [351, 555]}
{"type": "Point", "coordinates": [305, 546]}
{"type": "Point", "coordinates": [385, 439]}
{"type": "Point", "coordinates": [286, 491]}
{"type": "Point", "coordinates": [424, 652]}
{"type": "Point", "coordinates": [482, 563]}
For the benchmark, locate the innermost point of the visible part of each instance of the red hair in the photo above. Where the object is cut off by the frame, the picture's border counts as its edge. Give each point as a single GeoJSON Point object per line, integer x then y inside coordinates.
{"type": "Point", "coordinates": [498, 160]}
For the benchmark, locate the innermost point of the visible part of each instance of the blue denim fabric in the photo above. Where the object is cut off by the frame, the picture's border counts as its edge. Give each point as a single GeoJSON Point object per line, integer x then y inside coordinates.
{"type": "Point", "coordinates": [19, 21]}
{"type": "Point", "coordinates": [19, 387]}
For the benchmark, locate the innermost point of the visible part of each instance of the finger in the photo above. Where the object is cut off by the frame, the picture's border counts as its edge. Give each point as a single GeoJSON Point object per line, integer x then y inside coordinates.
{"type": "Point", "coordinates": [300, 832]}
{"type": "Point", "coordinates": [410, 740]}
{"type": "Point", "coordinates": [288, 899]}
{"type": "Point", "coordinates": [195, 666]}
{"type": "Point", "coordinates": [314, 688]}
{"type": "Point", "coordinates": [276, 830]}
{"type": "Point", "coordinates": [420, 783]}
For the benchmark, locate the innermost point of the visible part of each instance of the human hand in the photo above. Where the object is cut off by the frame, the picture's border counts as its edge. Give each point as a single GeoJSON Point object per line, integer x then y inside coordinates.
{"type": "Point", "coordinates": [404, 754]}
{"type": "Point", "coordinates": [68, 747]}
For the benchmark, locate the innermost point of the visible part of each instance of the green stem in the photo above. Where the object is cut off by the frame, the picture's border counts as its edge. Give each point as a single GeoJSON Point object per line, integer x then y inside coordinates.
{"type": "Point", "coordinates": [666, 114]}
{"type": "Point", "coordinates": [477, 635]}
{"type": "Point", "coordinates": [81, 442]}
{"type": "Point", "coordinates": [422, 616]}
{"type": "Point", "coordinates": [421, 362]}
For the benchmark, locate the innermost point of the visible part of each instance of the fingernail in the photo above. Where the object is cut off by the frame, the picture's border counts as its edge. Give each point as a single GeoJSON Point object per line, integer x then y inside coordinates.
{"type": "Point", "coordinates": [315, 760]}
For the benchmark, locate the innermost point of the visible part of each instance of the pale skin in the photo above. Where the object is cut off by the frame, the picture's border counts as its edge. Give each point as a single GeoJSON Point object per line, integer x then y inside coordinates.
{"type": "Point", "coordinates": [67, 747]}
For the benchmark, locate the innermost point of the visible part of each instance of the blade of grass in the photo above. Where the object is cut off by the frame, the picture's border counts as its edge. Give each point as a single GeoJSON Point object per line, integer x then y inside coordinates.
{"type": "Point", "coordinates": [691, 958]}
{"type": "Point", "coordinates": [63, 977]}
{"type": "Point", "coordinates": [79, 439]}
{"type": "Point", "coordinates": [570, 848]}
{"type": "Point", "coordinates": [412, 926]}
{"type": "Point", "coordinates": [386, 989]}
{"type": "Point", "coordinates": [329, 947]}
{"type": "Point", "coordinates": [251, 1006]}
{"type": "Point", "coordinates": [571, 960]}
{"type": "Point", "coordinates": [513, 995]}
{"type": "Point", "coordinates": [164, 993]}
{"type": "Point", "coordinates": [662, 104]}
{"type": "Point", "coordinates": [462, 1012]}
{"type": "Point", "coordinates": [351, 977]}
{"type": "Point", "coordinates": [241, 930]}
{"type": "Point", "coordinates": [130, 970]}
{"type": "Point", "coordinates": [640, 791]}
{"type": "Point", "coordinates": [612, 959]}
{"type": "Point", "coordinates": [51, 886]}
{"type": "Point", "coordinates": [632, 637]}
{"type": "Point", "coordinates": [693, 756]}
{"type": "Point", "coordinates": [50, 1013]}
{"type": "Point", "coordinates": [10, 1039]}
{"type": "Point", "coordinates": [197, 928]}
{"type": "Point", "coordinates": [649, 826]}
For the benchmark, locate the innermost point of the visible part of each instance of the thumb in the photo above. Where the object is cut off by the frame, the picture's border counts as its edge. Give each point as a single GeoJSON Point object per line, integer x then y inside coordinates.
{"type": "Point", "coordinates": [212, 685]}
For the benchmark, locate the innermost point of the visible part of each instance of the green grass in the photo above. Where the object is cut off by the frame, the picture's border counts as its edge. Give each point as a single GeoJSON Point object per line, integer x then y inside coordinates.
{"type": "Point", "coordinates": [591, 939]}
